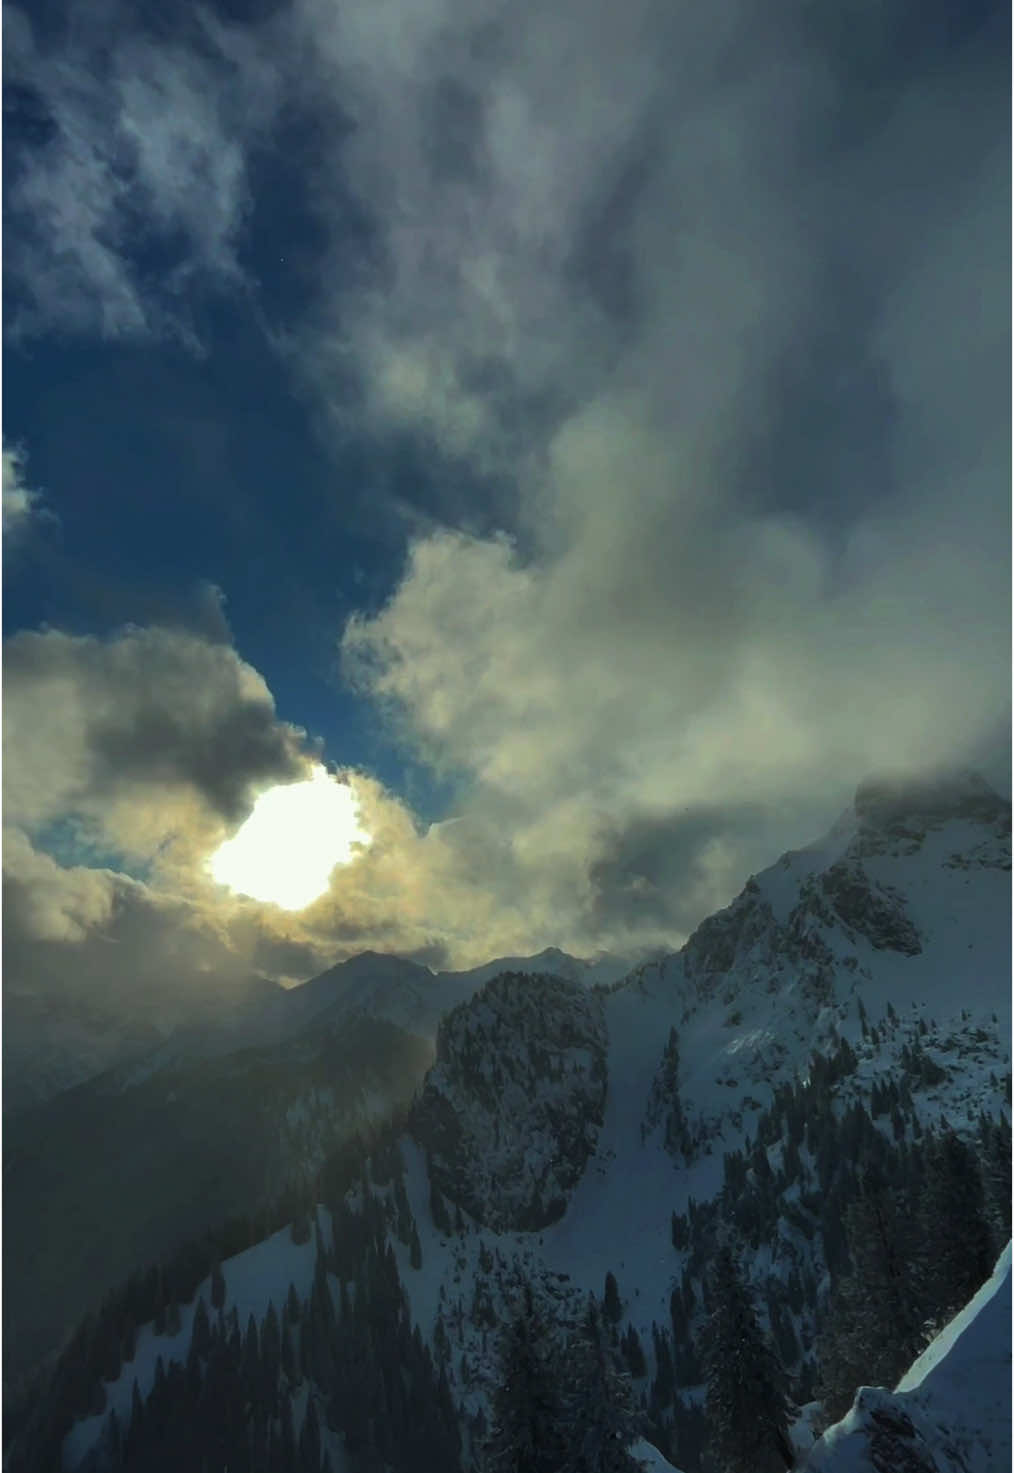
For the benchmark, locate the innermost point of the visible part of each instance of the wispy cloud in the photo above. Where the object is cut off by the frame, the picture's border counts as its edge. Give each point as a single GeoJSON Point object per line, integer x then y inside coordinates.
{"type": "Point", "coordinates": [131, 188]}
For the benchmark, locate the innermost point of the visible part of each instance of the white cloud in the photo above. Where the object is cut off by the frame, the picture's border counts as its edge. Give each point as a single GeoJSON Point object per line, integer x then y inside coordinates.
{"type": "Point", "coordinates": [58, 904]}
{"type": "Point", "coordinates": [21, 505]}
{"type": "Point", "coordinates": [680, 625]}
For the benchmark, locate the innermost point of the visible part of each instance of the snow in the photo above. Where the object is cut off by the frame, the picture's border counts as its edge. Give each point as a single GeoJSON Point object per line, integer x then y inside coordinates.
{"type": "Point", "coordinates": [651, 1459]}
{"type": "Point", "coordinates": [966, 1349]}
{"type": "Point", "coordinates": [252, 1279]}
{"type": "Point", "coordinates": [422, 1285]}
{"type": "Point", "coordinates": [619, 1212]}
{"type": "Point", "coordinates": [740, 1033]}
{"type": "Point", "coordinates": [956, 1396]}
{"type": "Point", "coordinates": [384, 987]}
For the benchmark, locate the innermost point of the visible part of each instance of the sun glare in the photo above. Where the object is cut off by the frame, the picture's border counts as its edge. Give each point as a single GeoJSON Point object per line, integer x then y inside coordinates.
{"type": "Point", "coordinates": [286, 850]}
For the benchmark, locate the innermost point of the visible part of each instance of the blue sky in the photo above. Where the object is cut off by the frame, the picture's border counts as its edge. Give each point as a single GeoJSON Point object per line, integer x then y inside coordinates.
{"type": "Point", "coordinates": [592, 429]}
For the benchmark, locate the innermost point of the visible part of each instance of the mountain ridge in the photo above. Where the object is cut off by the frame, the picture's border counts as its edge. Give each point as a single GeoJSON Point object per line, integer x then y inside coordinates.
{"type": "Point", "coordinates": [852, 999]}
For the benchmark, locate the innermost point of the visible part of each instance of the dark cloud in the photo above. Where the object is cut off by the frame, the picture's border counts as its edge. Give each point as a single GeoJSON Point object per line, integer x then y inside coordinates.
{"type": "Point", "coordinates": [654, 872]}
{"type": "Point", "coordinates": [123, 730]}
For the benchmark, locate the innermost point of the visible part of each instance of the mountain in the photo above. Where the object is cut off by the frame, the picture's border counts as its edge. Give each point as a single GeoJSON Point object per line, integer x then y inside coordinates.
{"type": "Point", "coordinates": [830, 1051]}
{"type": "Point", "coordinates": [58, 1035]}
{"type": "Point", "coordinates": [106, 1178]}
{"type": "Point", "coordinates": [213, 1122]}
{"type": "Point", "coordinates": [951, 1413]}
{"type": "Point", "coordinates": [371, 984]}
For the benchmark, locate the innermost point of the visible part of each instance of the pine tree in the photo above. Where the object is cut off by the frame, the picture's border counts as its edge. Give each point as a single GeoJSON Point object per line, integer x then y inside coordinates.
{"type": "Point", "coordinates": [112, 1440]}
{"type": "Point", "coordinates": [747, 1402]}
{"type": "Point", "coordinates": [201, 1338]}
{"type": "Point", "coordinates": [634, 1354]}
{"type": "Point", "coordinates": [403, 1219]}
{"type": "Point", "coordinates": [956, 1232]}
{"type": "Point", "coordinates": [995, 1139]}
{"type": "Point", "coordinates": [601, 1417]}
{"type": "Point", "coordinates": [872, 1331]}
{"type": "Point", "coordinates": [271, 1357]}
{"type": "Point", "coordinates": [415, 1248]}
{"type": "Point", "coordinates": [438, 1210]}
{"type": "Point", "coordinates": [309, 1440]}
{"type": "Point", "coordinates": [251, 1361]}
{"type": "Point", "coordinates": [612, 1308]}
{"type": "Point", "coordinates": [135, 1439]}
{"type": "Point", "coordinates": [527, 1411]}
{"type": "Point", "coordinates": [217, 1286]}
{"type": "Point", "coordinates": [287, 1438]}
{"type": "Point", "coordinates": [664, 1382]}
{"type": "Point", "coordinates": [293, 1306]}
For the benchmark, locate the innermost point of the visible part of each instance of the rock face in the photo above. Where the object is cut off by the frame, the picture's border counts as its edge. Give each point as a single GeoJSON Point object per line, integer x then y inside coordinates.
{"type": "Point", "coordinates": [893, 816]}
{"type": "Point", "coordinates": [510, 1111]}
{"type": "Point", "coordinates": [905, 807]}
{"type": "Point", "coordinates": [874, 911]}
{"type": "Point", "coordinates": [727, 936]}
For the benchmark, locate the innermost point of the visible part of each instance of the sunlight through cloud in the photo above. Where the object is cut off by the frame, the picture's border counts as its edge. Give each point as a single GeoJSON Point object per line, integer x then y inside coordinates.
{"type": "Point", "coordinates": [286, 850]}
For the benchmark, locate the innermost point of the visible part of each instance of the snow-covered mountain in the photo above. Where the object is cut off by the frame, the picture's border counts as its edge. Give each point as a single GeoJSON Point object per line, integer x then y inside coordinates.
{"type": "Point", "coordinates": [212, 1122]}
{"type": "Point", "coordinates": [58, 1034]}
{"type": "Point", "coordinates": [848, 1010]}
{"type": "Point", "coordinates": [370, 984]}
{"type": "Point", "coordinates": [951, 1413]}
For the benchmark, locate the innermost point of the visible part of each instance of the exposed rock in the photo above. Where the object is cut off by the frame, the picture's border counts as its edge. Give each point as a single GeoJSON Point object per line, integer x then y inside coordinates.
{"type": "Point", "coordinates": [718, 942]}
{"type": "Point", "coordinates": [895, 1445]}
{"type": "Point", "coordinates": [510, 1112]}
{"type": "Point", "coordinates": [908, 806]}
{"type": "Point", "coordinates": [873, 910]}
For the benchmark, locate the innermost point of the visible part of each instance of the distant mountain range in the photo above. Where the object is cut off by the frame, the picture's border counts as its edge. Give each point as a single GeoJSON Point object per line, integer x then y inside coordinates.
{"type": "Point", "coordinates": [831, 1049]}
{"type": "Point", "coordinates": [213, 1122]}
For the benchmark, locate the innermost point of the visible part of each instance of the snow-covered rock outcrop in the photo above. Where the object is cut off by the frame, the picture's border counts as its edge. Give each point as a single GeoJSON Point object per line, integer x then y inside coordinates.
{"type": "Point", "coordinates": [905, 902]}
{"type": "Point", "coordinates": [951, 1413]}
{"type": "Point", "coordinates": [510, 1111]}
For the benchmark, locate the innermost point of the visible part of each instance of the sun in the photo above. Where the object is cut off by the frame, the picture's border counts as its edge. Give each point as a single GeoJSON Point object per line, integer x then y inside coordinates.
{"type": "Point", "coordinates": [286, 850]}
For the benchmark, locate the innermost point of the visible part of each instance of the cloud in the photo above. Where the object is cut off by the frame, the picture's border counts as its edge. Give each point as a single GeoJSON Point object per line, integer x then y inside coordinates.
{"type": "Point", "coordinates": [22, 507]}
{"type": "Point", "coordinates": [127, 760]}
{"type": "Point", "coordinates": [124, 950]}
{"type": "Point", "coordinates": [128, 185]}
{"type": "Point", "coordinates": [150, 737]}
{"type": "Point", "coordinates": [701, 317]}
{"type": "Point", "coordinates": [52, 903]}
{"type": "Point", "coordinates": [767, 322]}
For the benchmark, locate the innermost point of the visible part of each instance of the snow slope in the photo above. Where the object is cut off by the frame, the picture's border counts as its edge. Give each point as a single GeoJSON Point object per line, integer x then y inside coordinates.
{"type": "Point", "coordinates": [650, 1459]}
{"type": "Point", "coordinates": [911, 919]}
{"type": "Point", "coordinates": [253, 1279]}
{"type": "Point", "coordinates": [891, 932]}
{"type": "Point", "coordinates": [951, 1413]}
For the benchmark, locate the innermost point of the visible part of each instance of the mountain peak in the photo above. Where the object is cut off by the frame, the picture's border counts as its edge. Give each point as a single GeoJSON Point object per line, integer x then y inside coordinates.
{"type": "Point", "coordinates": [887, 800]}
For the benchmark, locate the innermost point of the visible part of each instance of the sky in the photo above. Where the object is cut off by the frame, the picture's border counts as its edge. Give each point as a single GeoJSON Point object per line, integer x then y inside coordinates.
{"type": "Point", "coordinates": [587, 428]}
